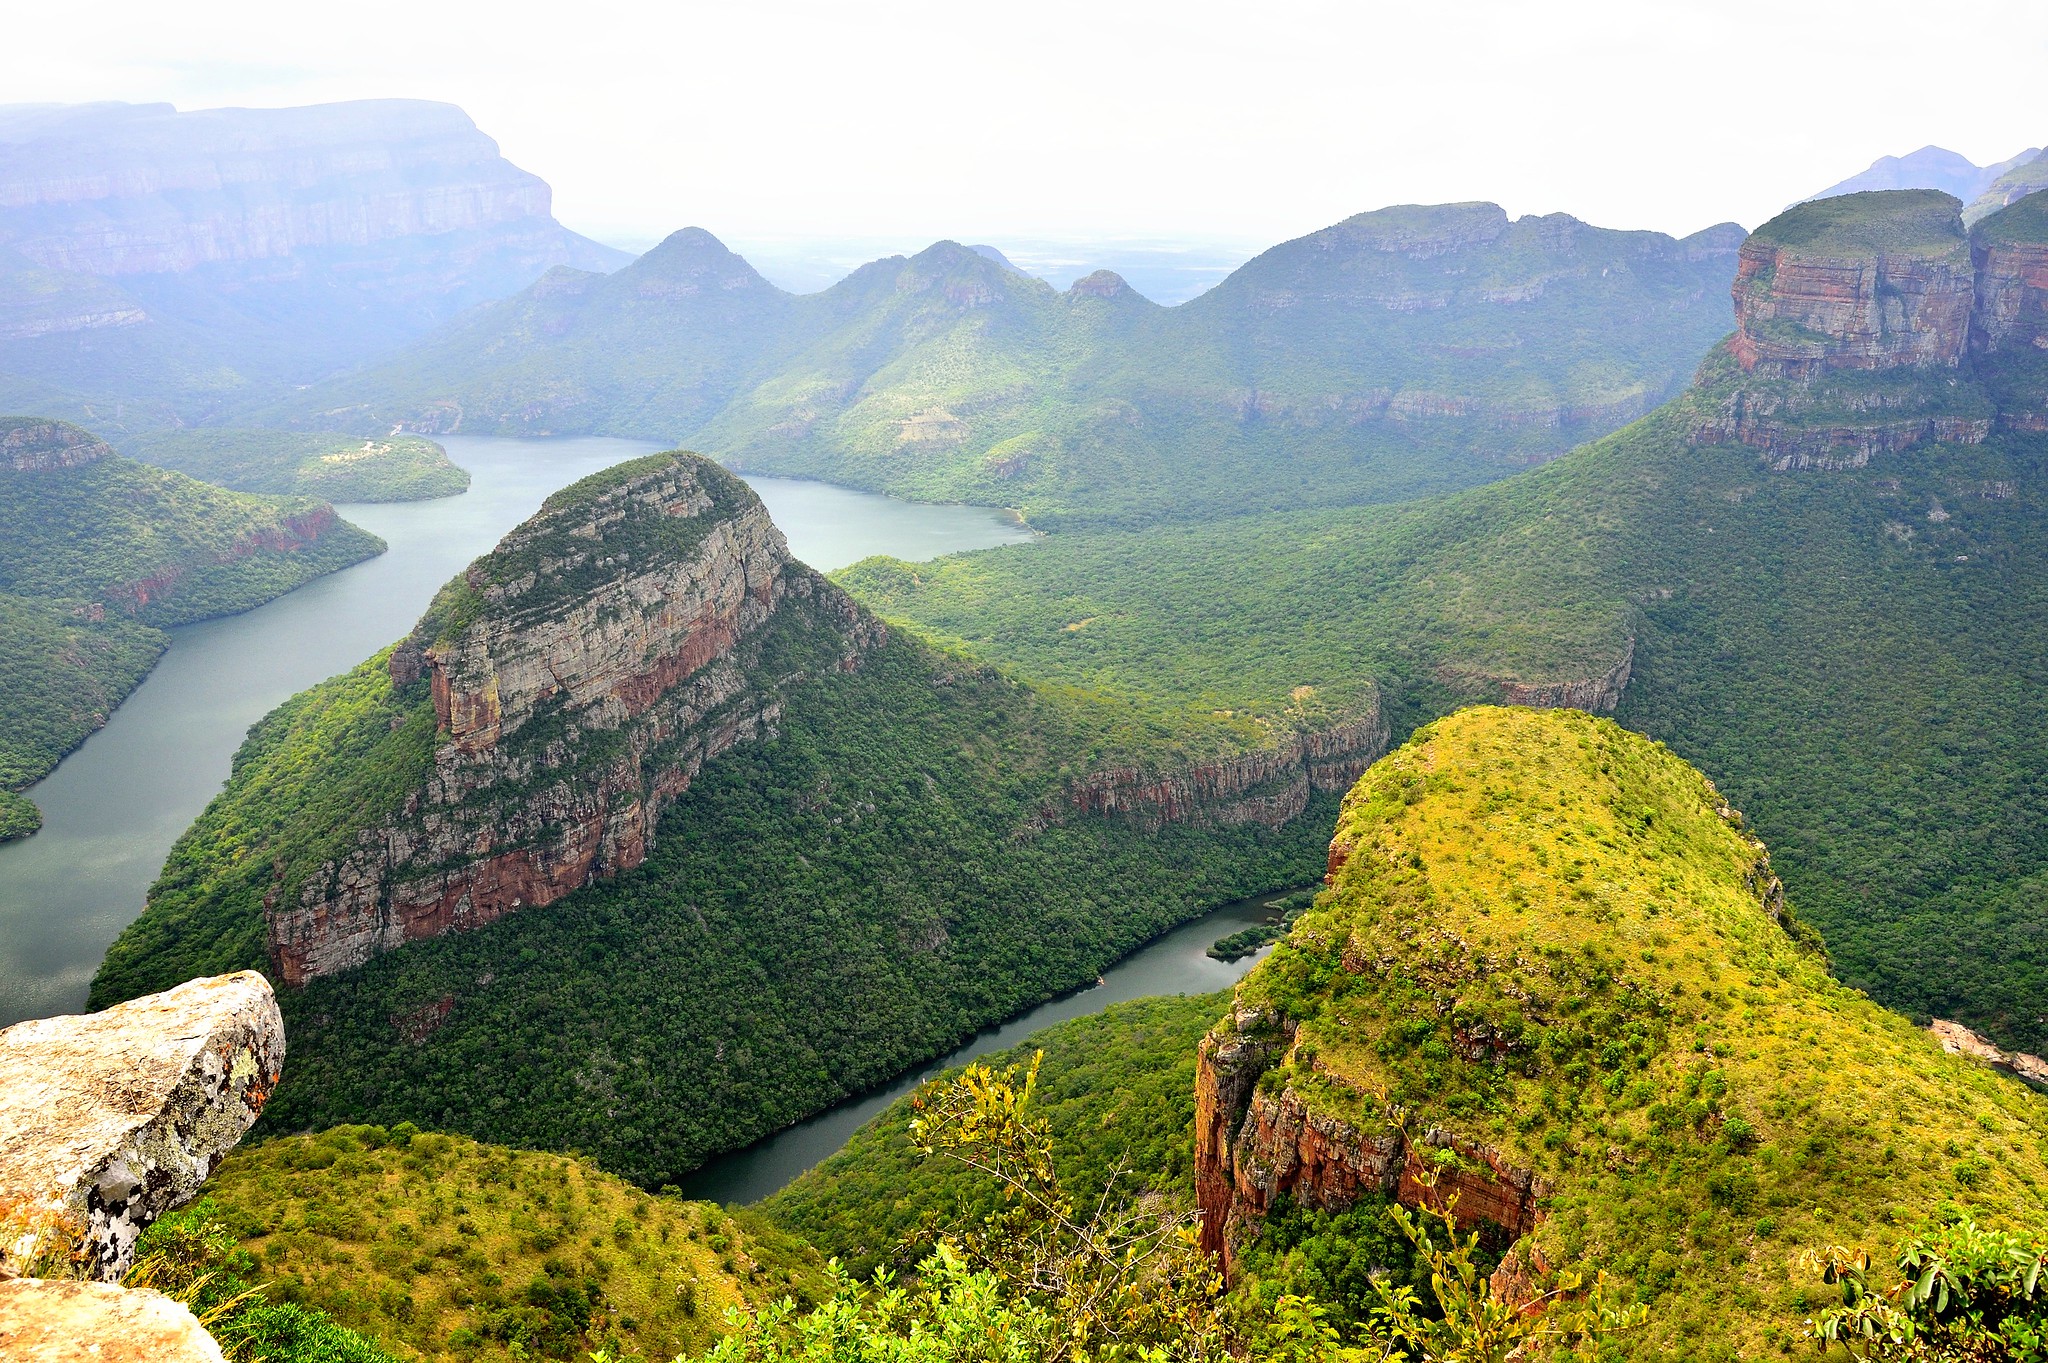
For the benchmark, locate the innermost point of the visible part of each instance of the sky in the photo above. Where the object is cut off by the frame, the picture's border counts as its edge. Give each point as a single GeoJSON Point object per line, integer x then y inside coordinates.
{"type": "Point", "coordinates": [1098, 119]}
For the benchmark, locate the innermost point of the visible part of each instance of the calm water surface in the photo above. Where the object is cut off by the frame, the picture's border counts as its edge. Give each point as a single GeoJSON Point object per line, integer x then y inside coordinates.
{"type": "Point", "coordinates": [112, 810]}
{"type": "Point", "coordinates": [1177, 963]}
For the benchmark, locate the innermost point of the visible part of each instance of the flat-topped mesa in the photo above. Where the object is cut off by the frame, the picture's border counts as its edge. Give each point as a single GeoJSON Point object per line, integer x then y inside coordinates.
{"type": "Point", "coordinates": [1866, 281]}
{"type": "Point", "coordinates": [34, 445]}
{"type": "Point", "coordinates": [580, 675]}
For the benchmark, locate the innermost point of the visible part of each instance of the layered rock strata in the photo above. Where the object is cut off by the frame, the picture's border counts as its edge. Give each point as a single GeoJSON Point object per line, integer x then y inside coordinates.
{"type": "Point", "coordinates": [1268, 786]}
{"type": "Point", "coordinates": [1255, 1146]}
{"type": "Point", "coordinates": [111, 1119]}
{"type": "Point", "coordinates": [580, 676]}
{"type": "Point", "coordinates": [31, 446]}
{"type": "Point", "coordinates": [1867, 324]}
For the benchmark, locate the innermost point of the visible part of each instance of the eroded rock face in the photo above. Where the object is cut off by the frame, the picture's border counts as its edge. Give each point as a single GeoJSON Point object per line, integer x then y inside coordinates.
{"type": "Point", "coordinates": [1800, 312]}
{"type": "Point", "coordinates": [604, 652]}
{"type": "Point", "coordinates": [2012, 295]}
{"type": "Point", "coordinates": [74, 1322]}
{"type": "Point", "coordinates": [45, 446]}
{"type": "Point", "coordinates": [1957, 1039]}
{"type": "Point", "coordinates": [108, 1120]}
{"type": "Point", "coordinates": [1254, 1146]}
{"type": "Point", "coordinates": [1266, 786]}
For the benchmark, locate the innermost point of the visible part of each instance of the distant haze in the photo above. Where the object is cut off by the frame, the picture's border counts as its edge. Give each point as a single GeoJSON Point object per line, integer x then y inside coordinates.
{"type": "Point", "coordinates": [1064, 122]}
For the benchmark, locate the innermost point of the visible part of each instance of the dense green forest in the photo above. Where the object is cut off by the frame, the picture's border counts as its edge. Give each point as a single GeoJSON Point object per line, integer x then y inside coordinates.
{"type": "Point", "coordinates": [336, 468]}
{"type": "Point", "coordinates": [889, 852]}
{"type": "Point", "coordinates": [1851, 655]}
{"type": "Point", "coordinates": [102, 557]}
{"type": "Point", "coordinates": [1403, 352]}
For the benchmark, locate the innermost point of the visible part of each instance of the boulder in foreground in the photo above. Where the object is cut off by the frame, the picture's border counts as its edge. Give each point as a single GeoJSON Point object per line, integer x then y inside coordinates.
{"type": "Point", "coordinates": [110, 1119]}
{"type": "Point", "coordinates": [70, 1322]}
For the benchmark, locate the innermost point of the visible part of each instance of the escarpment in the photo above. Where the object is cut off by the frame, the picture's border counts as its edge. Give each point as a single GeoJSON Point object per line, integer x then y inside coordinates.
{"type": "Point", "coordinates": [578, 678]}
{"type": "Point", "coordinates": [1870, 323]}
{"type": "Point", "coordinates": [1269, 785]}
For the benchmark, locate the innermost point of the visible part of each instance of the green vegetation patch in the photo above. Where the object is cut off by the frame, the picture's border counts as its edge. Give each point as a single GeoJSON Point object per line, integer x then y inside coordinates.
{"type": "Point", "coordinates": [2024, 222]}
{"type": "Point", "coordinates": [323, 464]}
{"type": "Point", "coordinates": [1922, 222]}
{"type": "Point", "coordinates": [437, 1247]}
{"type": "Point", "coordinates": [1117, 1090]}
{"type": "Point", "coordinates": [1574, 959]}
{"type": "Point", "coordinates": [19, 816]}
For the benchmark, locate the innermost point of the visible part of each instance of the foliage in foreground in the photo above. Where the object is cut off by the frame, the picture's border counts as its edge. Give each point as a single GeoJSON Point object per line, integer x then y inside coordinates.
{"type": "Point", "coordinates": [1960, 1294]}
{"type": "Point", "coordinates": [1047, 1279]}
{"type": "Point", "coordinates": [191, 1256]}
{"type": "Point", "coordinates": [438, 1247]}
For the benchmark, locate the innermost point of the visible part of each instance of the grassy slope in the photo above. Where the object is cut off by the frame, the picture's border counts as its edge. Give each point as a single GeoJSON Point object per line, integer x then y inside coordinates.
{"type": "Point", "coordinates": [1851, 655]}
{"type": "Point", "coordinates": [947, 377]}
{"type": "Point", "coordinates": [1706, 1099]}
{"type": "Point", "coordinates": [437, 1247]}
{"type": "Point", "coordinates": [1117, 1089]}
{"type": "Point", "coordinates": [336, 468]}
{"type": "Point", "coordinates": [75, 538]}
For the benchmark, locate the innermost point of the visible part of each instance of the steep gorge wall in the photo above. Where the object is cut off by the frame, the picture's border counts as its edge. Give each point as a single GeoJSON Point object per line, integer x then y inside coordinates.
{"type": "Point", "coordinates": [603, 658]}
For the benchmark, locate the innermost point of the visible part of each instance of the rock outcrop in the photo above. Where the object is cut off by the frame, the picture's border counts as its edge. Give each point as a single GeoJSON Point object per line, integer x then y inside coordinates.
{"type": "Point", "coordinates": [1957, 1039]}
{"type": "Point", "coordinates": [111, 1119]}
{"type": "Point", "coordinates": [28, 445]}
{"type": "Point", "coordinates": [1266, 786]}
{"type": "Point", "coordinates": [1255, 1146]}
{"type": "Point", "coordinates": [74, 1322]}
{"type": "Point", "coordinates": [1873, 322]}
{"type": "Point", "coordinates": [580, 676]}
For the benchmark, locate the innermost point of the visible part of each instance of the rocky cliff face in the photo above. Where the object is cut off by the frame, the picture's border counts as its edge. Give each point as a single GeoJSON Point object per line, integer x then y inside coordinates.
{"type": "Point", "coordinates": [32, 446]}
{"type": "Point", "coordinates": [1866, 324]}
{"type": "Point", "coordinates": [580, 676]}
{"type": "Point", "coordinates": [1255, 1145]}
{"type": "Point", "coordinates": [142, 189]}
{"type": "Point", "coordinates": [1266, 786]}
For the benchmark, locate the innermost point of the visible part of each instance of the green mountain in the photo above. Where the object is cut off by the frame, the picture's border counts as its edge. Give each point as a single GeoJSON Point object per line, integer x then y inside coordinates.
{"type": "Point", "coordinates": [649, 841]}
{"type": "Point", "coordinates": [1555, 974]}
{"type": "Point", "coordinates": [1401, 352]}
{"type": "Point", "coordinates": [1818, 577]}
{"type": "Point", "coordinates": [338, 468]}
{"type": "Point", "coordinates": [103, 555]}
{"type": "Point", "coordinates": [2015, 182]}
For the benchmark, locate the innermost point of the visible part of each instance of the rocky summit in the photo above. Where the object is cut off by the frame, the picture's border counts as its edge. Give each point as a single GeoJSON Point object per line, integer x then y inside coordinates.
{"type": "Point", "coordinates": [577, 679]}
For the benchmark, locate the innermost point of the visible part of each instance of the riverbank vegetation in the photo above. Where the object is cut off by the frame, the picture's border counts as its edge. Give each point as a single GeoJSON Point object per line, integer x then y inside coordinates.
{"type": "Point", "coordinates": [333, 467]}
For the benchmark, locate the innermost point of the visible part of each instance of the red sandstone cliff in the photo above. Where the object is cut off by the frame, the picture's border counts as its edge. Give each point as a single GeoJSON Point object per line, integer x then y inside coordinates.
{"type": "Point", "coordinates": [597, 659]}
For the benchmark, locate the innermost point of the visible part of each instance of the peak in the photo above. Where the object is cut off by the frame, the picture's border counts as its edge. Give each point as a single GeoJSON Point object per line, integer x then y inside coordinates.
{"type": "Point", "coordinates": [690, 260]}
{"type": "Point", "coordinates": [1870, 222]}
{"type": "Point", "coordinates": [1101, 284]}
{"type": "Point", "coordinates": [691, 243]}
{"type": "Point", "coordinates": [991, 253]}
{"type": "Point", "coordinates": [949, 254]}
{"type": "Point", "coordinates": [1723, 238]}
{"type": "Point", "coordinates": [1404, 227]}
{"type": "Point", "coordinates": [31, 444]}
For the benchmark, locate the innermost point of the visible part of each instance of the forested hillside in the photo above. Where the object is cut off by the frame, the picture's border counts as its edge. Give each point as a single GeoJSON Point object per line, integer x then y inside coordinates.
{"type": "Point", "coordinates": [102, 555]}
{"type": "Point", "coordinates": [1831, 610]}
{"type": "Point", "coordinates": [1401, 352]}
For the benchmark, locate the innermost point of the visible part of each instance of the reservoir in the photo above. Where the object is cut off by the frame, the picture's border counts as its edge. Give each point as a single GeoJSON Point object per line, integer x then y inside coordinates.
{"type": "Point", "coordinates": [113, 808]}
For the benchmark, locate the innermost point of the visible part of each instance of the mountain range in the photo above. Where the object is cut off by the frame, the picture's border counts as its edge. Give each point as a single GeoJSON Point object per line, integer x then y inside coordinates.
{"type": "Point", "coordinates": [157, 266]}
{"type": "Point", "coordinates": [1983, 189]}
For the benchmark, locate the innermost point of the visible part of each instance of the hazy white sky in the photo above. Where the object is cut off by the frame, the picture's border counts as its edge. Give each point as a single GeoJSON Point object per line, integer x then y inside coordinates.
{"type": "Point", "coordinates": [1094, 118]}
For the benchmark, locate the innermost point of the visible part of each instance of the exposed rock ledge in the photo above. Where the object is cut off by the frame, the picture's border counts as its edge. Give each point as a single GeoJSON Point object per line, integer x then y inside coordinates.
{"type": "Point", "coordinates": [1267, 786]}
{"type": "Point", "coordinates": [73, 1322]}
{"type": "Point", "coordinates": [1596, 695]}
{"type": "Point", "coordinates": [1253, 1147]}
{"type": "Point", "coordinates": [1957, 1039]}
{"type": "Point", "coordinates": [111, 1119]}
{"type": "Point", "coordinates": [46, 446]}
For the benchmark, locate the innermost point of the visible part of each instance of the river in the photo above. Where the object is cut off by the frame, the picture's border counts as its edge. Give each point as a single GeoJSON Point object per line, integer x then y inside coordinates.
{"type": "Point", "coordinates": [113, 808]}
{"type": "Point", "coordinates": [1175, 963]}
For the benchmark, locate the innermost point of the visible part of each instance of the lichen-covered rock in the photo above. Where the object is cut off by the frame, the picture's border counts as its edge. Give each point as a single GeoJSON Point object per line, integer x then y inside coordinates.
{"type": "Point", "coordinates": [108, 1120]}
{"type": "Point", "coordinates": [74, 1322]}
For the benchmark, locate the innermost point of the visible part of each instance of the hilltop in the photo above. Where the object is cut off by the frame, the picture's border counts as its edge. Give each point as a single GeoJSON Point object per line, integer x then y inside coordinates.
{"type": "Point", "coordinates": [1824, 600]}
{"type": "Point", "coordinates": [1402, 352]}
{"type": "Point", "coordinates": [339, 468]}
{"type": "Point", "coordinates": [103, 555]}
{"type": "Point", "coordinates": [1553, 966]}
